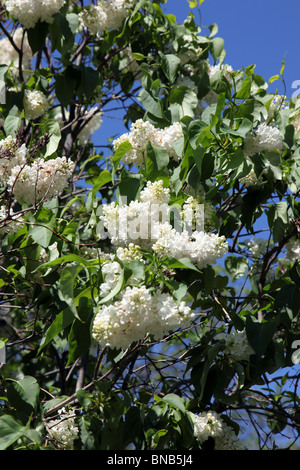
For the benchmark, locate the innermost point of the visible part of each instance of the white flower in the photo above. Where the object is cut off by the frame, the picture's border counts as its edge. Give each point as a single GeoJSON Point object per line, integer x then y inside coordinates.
{"type": "Point", "coordinates": [132, 253]}
{"type": "Point", "coordinates": [8, 52]}
{"type": "Point", "coordinates": [10, 156]}
{"type": "Point", "coordinates": [35, 104]}
{"type": "Point", "coordinates": [251, 179]}
{"type": "Point", "coordinates": [210, 424]}
{"type": "Point", "coordinates": [29, 12]}
{"type": "Point", "coordinates": [9, 224]}
{"type": "Point", "coordinates": [166, 137]}
{"type": "Point", "coordinates": [146, 222]}
{"type": "Point", "coordinates": [43, 179]}
{"type": "Point", "coordinates": [142, 132]}
{"type": "Point", "coordinates": [207, 424]}
{"type": "Point", "coordinates": [237, 346]}
{"type": "Point", "coordinates": [257, 246]}
{"type": "Point", "coordinates": [293, 250]}
{"type": "Point", "coordinates": [64, 429]}
{"type": "Point", "coordinates": [201, 248]}
{"type": "Point", "coordinates": [264, 138]}
{"type": "Point", "coordinates": [111, 272]}
{"type": "Point", "coordinates": [106, 14]}
{"type": "Point", "coordinates": [137, 314]}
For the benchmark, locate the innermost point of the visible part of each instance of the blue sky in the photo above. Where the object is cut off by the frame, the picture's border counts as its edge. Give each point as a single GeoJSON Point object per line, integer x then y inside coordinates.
{"type": "Point", "coordinates": [260, 32]}
{"type": "Point", "coordinates": [257, 32]}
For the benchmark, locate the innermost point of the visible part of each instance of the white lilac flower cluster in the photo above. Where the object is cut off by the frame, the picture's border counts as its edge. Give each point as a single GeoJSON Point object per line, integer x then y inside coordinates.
{"type": "Point", "coordinates": [111, 271]}
{"type": "Point", "coordinates": [139, 312]}
{"type": "Point", "coordinates": [10, 156]}
{"type": "Point", "coordinates": [29, 12]}
{"type": "Point", "coordinates": [9, 222]}
{"type": "Point", "coordinates": [41, 180]}
{"type": "Point", "coordinates": [106, 14]}
{"type": "Point", "coordinates": [251, 179]}
{"type": "Point", "coordinates": [35, 104]}
{"type": "Point", "coordinates": [9, 53]}
{"type": "Point", "coordinates": [210, 424]}
{"type": "Point", "coordinates": [64, 429]}
{"type": "Point", "coordinates": [265, 137]}
{"type": "Point", "coordinates": [293, 250]}
{"type": "Point", "coordinates": [193, 216]}
{"type": "Point", "coordinates": [146, 222]}
{"type": "Point", "coordinates": [142, 132]}
{"type": "Point", "coordinates": [237, 346]}
{"type": "Point", "coordinates": [257, 246]}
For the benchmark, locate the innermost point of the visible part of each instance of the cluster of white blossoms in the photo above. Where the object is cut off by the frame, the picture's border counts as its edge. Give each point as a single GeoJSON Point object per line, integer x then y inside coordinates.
{"type": "Point", "coordinates": [146, 222]}
{"type": "Point", "coordinates": [64, 429]}
{"type": "Point", "coordinates": [10, 156]}
{"type": "Point", "coordinates": [142, 132]}
{"type": "Point", "coordinates": [106, 14]}
{"type": "Point", "coordinates": [193, 216]}
{"type": "Point", "coordinates": [257, 246]}
{"type": "Point", "coordinates": [251, 179]}
{"type": "Point", "coordinates": [210, 424]}
{"type": "Point", "coordinates": [35, 104]}
{"type": "Point", "coordinates": [265, 137]}
{"type": "Point", "coordinates": [9, 53]}
{"type": "Point", "coordinates": [139, 312]}
{"type": "Point", "coordinates": [237, 346]}
{"type": "Point", "coordinates": [111, 271]}
{"type": "Point", "coordinates": [132, 253]}
{"type": "Point", "coordinates": [9, 222]}
{"type": "Point", "coordinates": [41, 180]}
{"type": "Point", "coordinates": [293, 250]}
{"type": "Point", "coordinates": [29, 12]}
{"type": "Point", "coordinates": [201, 248]}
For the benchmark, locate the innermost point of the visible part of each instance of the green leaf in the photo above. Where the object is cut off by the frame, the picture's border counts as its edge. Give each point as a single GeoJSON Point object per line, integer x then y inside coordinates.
{"type": "Point", "coordinates": [175, 401]}
{"type": "Point", "coordinates": [42, 230]}
{"type": "Point", "coordinates": [260, 334]}
{"type": "Point", "coordinates": [10, 431]}
{"type": "Point", "coordinates": [66, 286]}
{"type": "Point", "coordinates": [278, 220]}
{"type": "Point", "coordinates": [37, 36]}
{"type": "Point", "coordinates": [52, 127]}
{"type": "Point", "coordinates": [217, 46]}
{"type": "Point", "coordinates": [24, 392]}
{"type": "Point", "coordinates": [103, 178]}
{"type": "Point", "coordinates": [62, 321]}
{"type": "Point", "coordinates": [236, 266]}
{"type": "Point", "coordinates": [65, 86]}
{"type": "Point", "coordinates": [89, 80]}
{"type": "Point", "coordinates": [170, 64]}
{"type": "Point", "coordinates": [184, 100]}
{"type": "Point", "coordinates": [183, 263]}
{"type": "Point", "coordinates": [157, 160]}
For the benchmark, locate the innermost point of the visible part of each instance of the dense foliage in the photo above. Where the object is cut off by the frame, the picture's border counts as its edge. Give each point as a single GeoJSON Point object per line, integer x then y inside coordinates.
{"type": "Point", "coordinates": [150, 280]}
